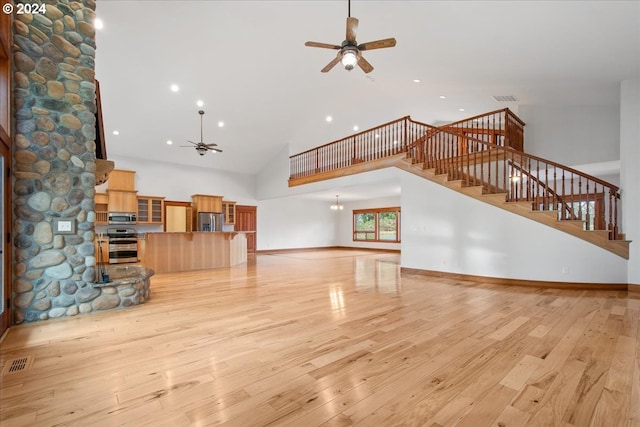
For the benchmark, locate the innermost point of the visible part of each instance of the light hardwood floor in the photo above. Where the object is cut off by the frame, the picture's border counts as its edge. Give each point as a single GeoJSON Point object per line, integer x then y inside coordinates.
{"type": "Point", "coordinates": [334, 338]}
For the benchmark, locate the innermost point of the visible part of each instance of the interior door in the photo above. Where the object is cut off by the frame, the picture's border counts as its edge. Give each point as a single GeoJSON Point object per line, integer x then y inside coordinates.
{"type": "Point", "coordinates": [246, 220]}
{"type": "Point", "coordinates": [5, 247]}
{"type": "Point", "coordinates": [5, 163]}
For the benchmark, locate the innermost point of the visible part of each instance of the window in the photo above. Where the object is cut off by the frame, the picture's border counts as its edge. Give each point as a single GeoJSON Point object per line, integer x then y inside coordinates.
{"type": "Point", "coordinates": [377, 225]}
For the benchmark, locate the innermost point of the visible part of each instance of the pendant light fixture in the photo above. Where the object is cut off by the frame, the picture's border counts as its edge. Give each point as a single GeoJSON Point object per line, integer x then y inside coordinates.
{"type": "Point", "coordinates": [337, 206]}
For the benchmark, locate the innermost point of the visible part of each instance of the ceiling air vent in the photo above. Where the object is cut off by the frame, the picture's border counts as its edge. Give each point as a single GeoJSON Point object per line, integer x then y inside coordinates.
{"type": "Point", "coordinates": [505, 98]}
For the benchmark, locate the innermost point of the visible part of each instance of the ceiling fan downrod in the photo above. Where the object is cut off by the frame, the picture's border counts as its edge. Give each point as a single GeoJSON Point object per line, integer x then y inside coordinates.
{"type": "Point", "coordinates": [201, 112]}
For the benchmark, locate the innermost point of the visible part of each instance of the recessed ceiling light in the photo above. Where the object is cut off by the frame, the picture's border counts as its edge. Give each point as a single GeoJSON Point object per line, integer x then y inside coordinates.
{"type": "Point", "coordinates": [416, 80]}
{"type": "Point", "coordinates": [98, 24]}
{"type": "Point", "coordinates": [169, 142]}
{"type": "Point", "coordinates": [443, 97]}
{"type": "Point", "coordinates": [199, 103]}
{"type": "Point", "coordinates": [175, 88]}
{"type": "Point", "coordinates": [220, 124]}
{"type": "Point", "coordinates": [328, 119]}
{"type": "Point", "coordinates": [355, 128]}
{"type": "Point", "coordinates": [461, 109]}
{"type": "Point", "coordinates": [115, 132]}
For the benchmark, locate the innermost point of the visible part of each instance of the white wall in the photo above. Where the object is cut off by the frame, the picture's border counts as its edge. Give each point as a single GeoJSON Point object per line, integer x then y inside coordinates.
{"type": "Point", "coordinates": [293, 217]}
{"type": "Point", "coordinates": [272, 180]}
{"type": "Point", "coordinates": [177, 183]}
{"type": "Point", "coordinates": [572, 134]}
{"type": "Point", "coordinates": [344, 219]}
{"type": "Point", "coordinates": [294, 222]}
{"type": "Point", "coordinates": [630, 173]}
{"type": "Point", "coordinates": [447, 231]}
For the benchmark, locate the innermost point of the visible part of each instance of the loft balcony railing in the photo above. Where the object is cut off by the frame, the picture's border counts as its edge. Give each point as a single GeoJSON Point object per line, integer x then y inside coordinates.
{"type": "Point", "coordinates": [500, 127]}
{"type": "Point", "coordinates": [372, 144]}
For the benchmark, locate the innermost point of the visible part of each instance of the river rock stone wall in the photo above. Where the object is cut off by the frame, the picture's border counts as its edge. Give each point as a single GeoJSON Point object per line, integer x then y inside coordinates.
{"type": "Point", "coordinates": [54, 163]}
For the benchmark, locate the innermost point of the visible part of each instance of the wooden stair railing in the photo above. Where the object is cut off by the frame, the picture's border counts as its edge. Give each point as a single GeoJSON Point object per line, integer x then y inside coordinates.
{"type": "Point", "coordinates": [547, 185]}
{"type": "Point", "coordinates": [565, 212]}
{"type": "Point", "coordinates": [499, 127]}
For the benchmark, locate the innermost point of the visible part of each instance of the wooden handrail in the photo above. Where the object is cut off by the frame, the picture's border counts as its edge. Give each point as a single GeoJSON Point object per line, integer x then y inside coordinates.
{"type": "Point", "coordinates": [353, 135]}
{"type": "Point", "coordinates": [445, 152]}
{"type": "Point", "coordinates": [549, 162]}
{"type": "Point", "coordinates": [546, 187]}
{"type": "Point", "coordinates": [370, 144]}
{"type": "Point", "coordinates": [567, 168]}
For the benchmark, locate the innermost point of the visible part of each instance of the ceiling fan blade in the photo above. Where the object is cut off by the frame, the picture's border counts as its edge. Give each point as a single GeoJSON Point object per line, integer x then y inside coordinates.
{"type": "Point", "coordinates": [378, 44]}
{"type": "Point", "coordinates": [217, 150]}
{"type": "Point", "coordinates": [364, 64]}
{"type": "Point", "coordinates": [210, 145]}
{"type": "Point", "coordinates": [194, 143]}
{"type": "Point", "coordinates": [352, 29]}
{"type": "Point", "coordinates": [323, 45]}
{"type": "Point", "coordinates": [331, 64]}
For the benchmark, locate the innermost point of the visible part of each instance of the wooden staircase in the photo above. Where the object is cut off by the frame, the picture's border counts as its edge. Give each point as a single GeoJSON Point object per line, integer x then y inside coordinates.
{"type": "Point", "coordinates": [482, 158]}
{"type": "Point", "coordinates": [522, 208]}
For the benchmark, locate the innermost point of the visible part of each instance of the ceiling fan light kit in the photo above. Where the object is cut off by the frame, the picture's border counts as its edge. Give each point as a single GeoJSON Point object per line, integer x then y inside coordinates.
{"type": "Point", "coordinates": [349, 58]}
{"type": "Point", "coordinates": [349, 51]}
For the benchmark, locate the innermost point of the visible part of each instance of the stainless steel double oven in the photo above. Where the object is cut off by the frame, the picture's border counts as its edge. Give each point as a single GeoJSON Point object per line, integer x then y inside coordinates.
{"type": "Point", "coordinates": [123, 245]}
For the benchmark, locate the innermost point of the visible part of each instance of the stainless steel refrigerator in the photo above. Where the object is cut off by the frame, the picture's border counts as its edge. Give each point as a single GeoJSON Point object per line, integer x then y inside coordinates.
{"type": "Point", "coordinates": [210, 221]}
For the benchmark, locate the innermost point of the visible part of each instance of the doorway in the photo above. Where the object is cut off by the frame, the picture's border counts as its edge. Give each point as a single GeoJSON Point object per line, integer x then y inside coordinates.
{"type": "Point", "coordinates": [5, 176]}
{"type": "Point", "coordinates": [5, 248]}
{"type": "Point", "coordinates": [246, 220]}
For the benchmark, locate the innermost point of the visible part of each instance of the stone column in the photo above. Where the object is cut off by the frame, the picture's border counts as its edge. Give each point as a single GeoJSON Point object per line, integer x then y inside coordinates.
{"type": "Point", "coordinates": [54, 160]}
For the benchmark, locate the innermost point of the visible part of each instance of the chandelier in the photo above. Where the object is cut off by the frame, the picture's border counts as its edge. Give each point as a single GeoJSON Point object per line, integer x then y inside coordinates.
{"type": "Point", "coordinates": [337, 206]}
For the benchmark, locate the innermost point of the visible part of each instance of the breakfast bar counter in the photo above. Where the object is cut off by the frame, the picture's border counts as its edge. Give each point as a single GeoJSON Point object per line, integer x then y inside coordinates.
{"type": "Point", "coordinates": [186, 251]}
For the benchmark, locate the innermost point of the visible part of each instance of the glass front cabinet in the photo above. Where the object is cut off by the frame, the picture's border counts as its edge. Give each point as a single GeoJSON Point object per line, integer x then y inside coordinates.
{"type": "Point", "coordinates": [150, 210]}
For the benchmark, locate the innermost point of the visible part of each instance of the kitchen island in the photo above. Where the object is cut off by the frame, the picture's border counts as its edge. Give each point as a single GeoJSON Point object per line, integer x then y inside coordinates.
{"type": "Point", "coordinates": [197, 250]}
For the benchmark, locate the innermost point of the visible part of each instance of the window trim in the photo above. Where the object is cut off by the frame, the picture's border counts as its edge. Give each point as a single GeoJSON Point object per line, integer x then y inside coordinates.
{"type": "Point", "coordinates": [376, 231]}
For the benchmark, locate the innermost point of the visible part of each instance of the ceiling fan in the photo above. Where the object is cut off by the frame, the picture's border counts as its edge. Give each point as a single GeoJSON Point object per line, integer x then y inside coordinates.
{"type": "Point", "coordinates": [349, 51]}
{"type": "Point", "coordinates": [201, 147]}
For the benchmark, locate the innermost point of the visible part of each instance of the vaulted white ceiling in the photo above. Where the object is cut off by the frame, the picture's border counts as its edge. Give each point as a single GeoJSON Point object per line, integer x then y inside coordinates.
{"type": "Point", "coordinates": [247, 61]}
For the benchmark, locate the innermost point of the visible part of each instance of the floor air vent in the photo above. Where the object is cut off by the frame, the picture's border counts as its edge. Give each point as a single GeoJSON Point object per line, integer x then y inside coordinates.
{"type": "Point", "coordinates": [17, 365]}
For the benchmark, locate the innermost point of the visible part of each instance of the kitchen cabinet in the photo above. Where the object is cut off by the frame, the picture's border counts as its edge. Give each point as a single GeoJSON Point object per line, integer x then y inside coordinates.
{"type": "Point", "coordinates": [150, 210]}
{"type": "Point", "coordinates": [229, 210]}
{"type": "Point", "coordinates": [101, 208]}
{"type": "Point", "coordinates": [122, 180]}
{"type": "Point", "coordinates": [121, 191]}
{"type": "Point", "coordinates": [122, 201]}
{"type": "Point", "coordinates": [174, 252]}
{"type": "Point", "coordinates": [206, 203]}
